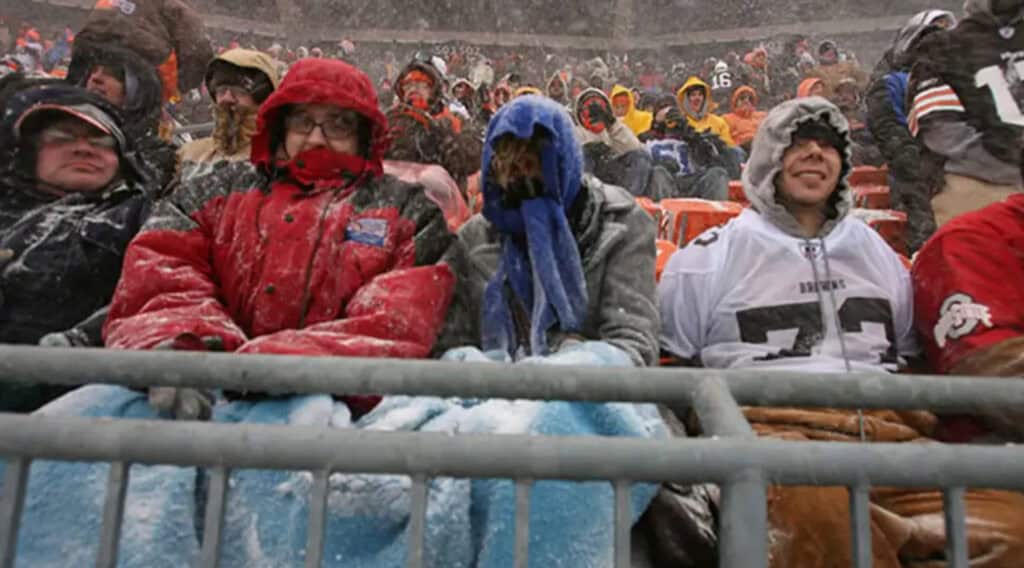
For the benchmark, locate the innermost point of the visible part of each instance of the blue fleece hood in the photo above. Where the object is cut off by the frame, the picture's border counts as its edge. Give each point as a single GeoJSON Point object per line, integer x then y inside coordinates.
{"type": "Point", "coordinates": [540, 260]}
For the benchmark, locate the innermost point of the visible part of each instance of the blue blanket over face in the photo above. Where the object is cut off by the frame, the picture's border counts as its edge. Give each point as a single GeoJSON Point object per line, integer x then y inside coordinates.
{"type": "Point", "coordinates": [540, 259]}
{"type": "Point", "coordinates": [469, 522]}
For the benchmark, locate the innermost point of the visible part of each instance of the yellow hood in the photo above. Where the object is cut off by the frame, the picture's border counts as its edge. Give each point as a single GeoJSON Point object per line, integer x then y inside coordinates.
{"type": "Point", "coordinates": [696, 114]}
{"type": "Point", "coordinates": [637, 120]}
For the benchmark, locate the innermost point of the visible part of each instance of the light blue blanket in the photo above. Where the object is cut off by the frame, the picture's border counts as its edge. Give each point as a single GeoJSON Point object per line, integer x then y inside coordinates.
{"type": "Point", "coordinates": [469, 522]}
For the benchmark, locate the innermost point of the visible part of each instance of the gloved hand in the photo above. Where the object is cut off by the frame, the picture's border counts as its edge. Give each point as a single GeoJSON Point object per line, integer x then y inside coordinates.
{"type": "Point", "coordinates": [599, 114]}
{"type": "Point", "coordinates": [5, 256]}
{"type": "Point", "coordinates": [185, 403]}
{"type": "Point", "coordinates": [182, 404]}
{"type": "Point", "coordinates": [587, 353]}
{"type": "Point", "coordinates": [71, 338]}
{"type": "Point", "coordinates": [474, 355]}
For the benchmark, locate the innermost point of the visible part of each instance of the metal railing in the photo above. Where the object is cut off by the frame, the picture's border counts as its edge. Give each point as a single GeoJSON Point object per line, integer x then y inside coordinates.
{"type": "Point", "coordinates": [730, 457]}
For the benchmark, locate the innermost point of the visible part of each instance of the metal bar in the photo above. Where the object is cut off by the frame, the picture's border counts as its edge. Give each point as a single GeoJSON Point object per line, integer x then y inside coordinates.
{"type": "Point", "coordinates": [743, 539]}
{"type": "Point", "coordinates": [685, 460]}
{"type": "Point", "coordinates": [11, 503]}
{"type": "Point", "coordinates": [264, 373]}
{"type": "Point", "coordinates": [860, 525]}
{"type": "Point", "coordinates": [317, 519]}
{"type": "Point", "coordinates": [417, 521]}
{"type": "Point", "coordinates": [113, 514]}
{"type": "Point", "coordinates": [201, 128]}
{"type": "Point", "coordinates": [718, 412]}
{"type": "Point", "coordinates": [623, 523]}
{"type": "Point", "coordinates": [213, 527]}
{"type": "Point", "coordinates": [956, 527]}
{"type": "Point", "coordinates": [523, 488]}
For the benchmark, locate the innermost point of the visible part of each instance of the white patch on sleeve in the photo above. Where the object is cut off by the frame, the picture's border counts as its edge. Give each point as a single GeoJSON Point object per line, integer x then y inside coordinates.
{"type": "Point", "coordinates": [959, 316]}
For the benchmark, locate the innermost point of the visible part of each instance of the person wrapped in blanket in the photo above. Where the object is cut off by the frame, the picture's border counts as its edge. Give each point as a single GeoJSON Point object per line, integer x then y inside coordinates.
{"type": "Point", "coordinates": [311, 250]}
{"type": "Point", "coordinates": [559, 270]}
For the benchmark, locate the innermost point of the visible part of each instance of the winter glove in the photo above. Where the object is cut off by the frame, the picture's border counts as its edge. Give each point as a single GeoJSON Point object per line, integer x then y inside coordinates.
{"type": "Point", "coordinates": [474, 355]}
{"type": "Point", "coordinates": [599, 114]}
{"type": "Point", "coordinates": [5, 256]}
{"type": "Point", "coordinates": [184, 403]}
{"type": "Point", "coordinates": [587, 353]}
{"type": "Point", "coordinates": [71, 338]}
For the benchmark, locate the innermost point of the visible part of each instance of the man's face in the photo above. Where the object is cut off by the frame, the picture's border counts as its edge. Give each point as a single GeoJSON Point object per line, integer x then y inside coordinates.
{"type": "Point", "coordinates": [589, 115]}
{"type": "Point", "coordinates": [810, 173]}
{"type": "Point", "coordinates": [829, 56]}
{"type": "Point", "coordinates": [463, 91]}
{"type": "Point", "coordinates": [556, 90]}
{"type": "Point", "coordinates": [695, 98]}
{"type": "Point", "coordinates": [944, 22]}
{"type": "Point", "coordinates": [74, 156]}
{"type": "Point", "coordinates": [316, 126]}
{"type": "Point", "coordinates": [818, 89]}
{"type": "Point", "coordinates": [417, 94]}
{"type": "Point", "coordinates": [846, 96]}
{"type": "Point", "coordinates": [105, 84]}
{"type": "Point", "coordinates": [620, 105]}
{"type": "Point", "coordinates": [226, 96]}
{"type": "Point", "coordinates": [745, 101]}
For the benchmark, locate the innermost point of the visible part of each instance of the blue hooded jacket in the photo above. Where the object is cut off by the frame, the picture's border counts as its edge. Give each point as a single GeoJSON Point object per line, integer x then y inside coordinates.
{"type": "Point", "coordinates": [540, 259]}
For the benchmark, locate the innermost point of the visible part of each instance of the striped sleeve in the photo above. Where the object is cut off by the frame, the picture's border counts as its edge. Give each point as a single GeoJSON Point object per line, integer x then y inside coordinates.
{"type": "Point", "coordinates": [941, 98]}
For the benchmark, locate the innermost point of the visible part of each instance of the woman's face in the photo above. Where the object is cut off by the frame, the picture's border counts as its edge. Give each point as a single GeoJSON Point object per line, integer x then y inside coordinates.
{"type": "Point", "coordinates": [314, 126]}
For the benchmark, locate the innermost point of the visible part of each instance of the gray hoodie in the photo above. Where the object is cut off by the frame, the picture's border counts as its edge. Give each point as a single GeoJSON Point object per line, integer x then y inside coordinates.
{"type": "Point", "coordinates": [773, 138]}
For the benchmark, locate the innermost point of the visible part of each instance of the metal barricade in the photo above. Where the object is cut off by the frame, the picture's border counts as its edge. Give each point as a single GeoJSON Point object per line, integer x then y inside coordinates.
{"type": "Point", "coordinates": [730, 456]}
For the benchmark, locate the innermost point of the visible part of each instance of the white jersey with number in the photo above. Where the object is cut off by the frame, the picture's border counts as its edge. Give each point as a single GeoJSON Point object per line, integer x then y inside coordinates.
{"type": "Point", "coordinates": [748, 295]}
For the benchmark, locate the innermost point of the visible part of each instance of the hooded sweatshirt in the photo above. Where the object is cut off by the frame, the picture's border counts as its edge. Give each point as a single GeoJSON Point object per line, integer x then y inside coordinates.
{"type": "Point", "coordinates": [743, 122]}
{"type": "Point", "coordinates": [757, 293]}
{"type": "Point", "coordinates": [233, 130]}
{"type": "Point", "coordinates": [617, 136]}
{"type": "Point", "coordinates": [638, 121]}
{"type": "Point", "coordinates": [804, 90]}
{"type": "Point", "coordinates": [701, 119]}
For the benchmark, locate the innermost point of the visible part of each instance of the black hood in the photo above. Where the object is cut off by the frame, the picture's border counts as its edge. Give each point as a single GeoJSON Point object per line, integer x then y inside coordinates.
{"type": "Point", "coordinates": [143, 88]}
{"type": "Point", "coordinates": [133, 169]}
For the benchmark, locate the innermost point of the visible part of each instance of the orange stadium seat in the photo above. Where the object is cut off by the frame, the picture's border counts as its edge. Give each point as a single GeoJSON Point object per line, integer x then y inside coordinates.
{"type": "Point", "coordinates": [687, 218]}
{"type": "Point", "coordinates": [665, 251]}
{"type": "Point", "coordinates": [871, 196]}
{"type": "Point", "coordinates": [892, 225]}
{"type": "Point", "coordinates": [867, 175]}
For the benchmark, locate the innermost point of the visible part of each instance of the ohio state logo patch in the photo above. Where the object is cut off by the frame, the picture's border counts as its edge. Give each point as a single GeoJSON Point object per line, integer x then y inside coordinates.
{"type": "Point", "coordinates": [959, 316]}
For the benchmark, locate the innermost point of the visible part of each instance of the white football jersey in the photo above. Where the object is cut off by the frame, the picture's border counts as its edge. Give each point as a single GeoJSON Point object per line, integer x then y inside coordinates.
{"type": "Point", "coordinates": [748, 295]}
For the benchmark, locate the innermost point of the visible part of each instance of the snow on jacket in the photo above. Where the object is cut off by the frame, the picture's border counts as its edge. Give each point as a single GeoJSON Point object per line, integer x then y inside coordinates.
{"type": "Point", "coordinates": [68, 250]}
{"type": "Point", "coordinates": [320, 255]}
{"type": "Point", "coordinates": [616, 246]}
{"type": "Point", "coordinates": [702, 120]}
{"type": "Point", "coordinates": [637, 120]}
{"type": "Point", "coordinates": [743, 122]}
{"type": "Point", "coordinates": [155, 29]}
{"type": "Point", "coordinates": [233, 132]}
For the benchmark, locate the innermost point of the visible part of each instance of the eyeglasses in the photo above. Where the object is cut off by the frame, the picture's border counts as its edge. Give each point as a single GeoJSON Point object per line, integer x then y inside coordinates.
{"type": "Point", "coordinates": [61, 135]}
{"type": "Point", "coordinates": [335, 127]}
{"type": "Point", "coordinates": [235, 90]}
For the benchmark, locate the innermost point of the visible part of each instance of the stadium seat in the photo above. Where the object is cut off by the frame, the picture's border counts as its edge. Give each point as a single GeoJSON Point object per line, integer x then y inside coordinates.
{"type": "Point", "coordinates": [736, 193]}
{"type": "Point", "coordinates": [871, 196]}
{"type": "Point", "coordinates": [867, 175]}
{"type": "Point", "coordinates": [665, 251]}
{"type": "Point", "coordinates": [688, 218]}
{"type": "Point", "coordinates": [892, 225]}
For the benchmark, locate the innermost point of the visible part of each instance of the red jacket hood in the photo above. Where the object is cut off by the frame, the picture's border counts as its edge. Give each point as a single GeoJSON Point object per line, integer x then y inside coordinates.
{"type": "Point", "coordinates": [322, 81]}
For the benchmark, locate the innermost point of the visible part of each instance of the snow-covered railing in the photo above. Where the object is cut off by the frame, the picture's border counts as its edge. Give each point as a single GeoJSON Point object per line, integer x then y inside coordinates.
{"type": "Point", "coordinates": [730, 456]}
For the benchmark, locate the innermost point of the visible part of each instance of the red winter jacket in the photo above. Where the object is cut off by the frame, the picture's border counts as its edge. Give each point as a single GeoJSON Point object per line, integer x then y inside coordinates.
{"type": "Point", "coordinates": [321, 255]}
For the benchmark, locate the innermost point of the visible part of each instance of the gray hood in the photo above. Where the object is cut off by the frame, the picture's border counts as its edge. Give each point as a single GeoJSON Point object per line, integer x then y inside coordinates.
{"type": "Point", "coordinates": [915, 26]}
{"type": "Point", "coordinates": [773, 138]}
